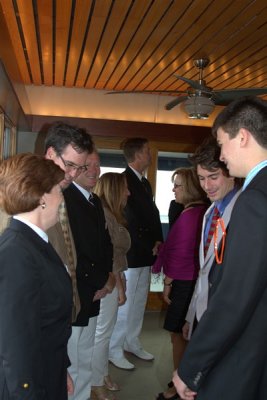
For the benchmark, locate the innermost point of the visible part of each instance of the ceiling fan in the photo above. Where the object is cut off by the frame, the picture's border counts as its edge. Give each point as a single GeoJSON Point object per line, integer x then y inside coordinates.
{"type": "Point", "coordinates": [199, 99]}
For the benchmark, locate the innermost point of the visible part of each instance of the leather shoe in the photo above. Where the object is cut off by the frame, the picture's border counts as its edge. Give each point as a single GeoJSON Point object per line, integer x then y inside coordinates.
{"type": "Point", "coordinates": [122, 363]}
{"type": "Point", "coordinates": [141, 353]}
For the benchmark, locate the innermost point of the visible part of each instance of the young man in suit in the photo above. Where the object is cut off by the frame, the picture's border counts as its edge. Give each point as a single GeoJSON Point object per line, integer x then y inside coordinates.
{"type": "Point", "coordinates": [222, 190]}
{"type": "Point", "coordinates": [94, 265]}
{"type": "Point", "coordinates": [227, 355]}
{"type": "Point", "coordinates": [143, 223]}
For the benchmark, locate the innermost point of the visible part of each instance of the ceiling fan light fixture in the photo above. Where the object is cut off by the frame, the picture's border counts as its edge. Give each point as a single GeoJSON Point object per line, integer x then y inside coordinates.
{"type": "Point", "coordinates": [199, 107]}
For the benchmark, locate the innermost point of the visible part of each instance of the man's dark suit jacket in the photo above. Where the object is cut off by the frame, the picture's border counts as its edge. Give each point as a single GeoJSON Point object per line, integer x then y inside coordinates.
{"type": "Point", "coordinates": [227, 355]}
{"type": "Point", "coordinates": [35, 309]}
{"type": "Point", "coordinates": [143, 221]}
{"type": "Point", "coordinates": [93, 247]}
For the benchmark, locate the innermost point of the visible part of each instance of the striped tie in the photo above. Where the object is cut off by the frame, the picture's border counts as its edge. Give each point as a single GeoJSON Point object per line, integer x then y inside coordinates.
{"type": "Point", "coordinates": [215, 216]}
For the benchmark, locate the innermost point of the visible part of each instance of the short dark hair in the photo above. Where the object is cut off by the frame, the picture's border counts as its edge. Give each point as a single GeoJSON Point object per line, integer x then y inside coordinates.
{"type": "Point", "coordinates": [247, 112]}
{"type": "Point", "coordinates": [207, 155]}
{"type": "Point", "coordinates": [60, 135]}
{"type": "Point", "coordinates": [131, 146]}
{"type": "Point", "coordinates": [24, 179]}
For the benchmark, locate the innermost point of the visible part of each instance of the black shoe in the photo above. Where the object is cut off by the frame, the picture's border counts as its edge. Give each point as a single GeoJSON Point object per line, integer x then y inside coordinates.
{"type": "Point", "coordinates": [162, 397]}
{"type": "Point", "coordinates": [170, 384]}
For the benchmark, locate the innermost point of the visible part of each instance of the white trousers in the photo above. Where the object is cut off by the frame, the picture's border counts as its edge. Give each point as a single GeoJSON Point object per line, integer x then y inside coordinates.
{"type": "Point", "coordinates": [130, 316]}
{"type": "Point", "coordinates": [104, 328]}
{"type": "Point", "coordinates": [80, 352]}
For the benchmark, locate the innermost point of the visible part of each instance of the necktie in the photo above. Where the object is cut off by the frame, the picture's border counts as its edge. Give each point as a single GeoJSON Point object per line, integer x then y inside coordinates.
{"type": "Point", "coordinates": [215, 217]}
{"type": "Point", "coordinates": [91, 199]}
{"type": "Point", "coordinates": [64, 222]}
{"type": "Point", "coordinates": [146, 185]}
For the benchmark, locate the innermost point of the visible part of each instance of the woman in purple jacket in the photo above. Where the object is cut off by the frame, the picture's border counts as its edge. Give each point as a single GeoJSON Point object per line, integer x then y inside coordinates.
{"type": "Point", "coordinates": [178, 259]}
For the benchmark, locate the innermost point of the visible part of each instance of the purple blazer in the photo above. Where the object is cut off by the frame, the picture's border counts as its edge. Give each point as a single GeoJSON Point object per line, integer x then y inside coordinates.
{"type": "Point", "coordinates": [178, 256]}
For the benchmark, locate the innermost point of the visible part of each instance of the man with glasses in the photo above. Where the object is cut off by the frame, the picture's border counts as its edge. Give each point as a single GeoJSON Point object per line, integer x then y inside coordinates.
{"type": "Point", "coordinates": [68, 147]}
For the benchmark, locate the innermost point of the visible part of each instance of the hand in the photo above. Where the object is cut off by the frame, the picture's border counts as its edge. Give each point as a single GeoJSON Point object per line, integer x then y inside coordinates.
{"type": "Point", "coordinates": [166, 293]}
{"type": "Point", "coordinates": [100, 294]}
{"type": "Point", "coordinates": [121, 297]}
{"type": "Point", "coordinates": [184, 392]}
{"type": "Point", "coordinates": [156, 248]}
{"type": "Point", "coordinates": [185, 330]}
{"type": "Point", "coordinates": [70, 385]}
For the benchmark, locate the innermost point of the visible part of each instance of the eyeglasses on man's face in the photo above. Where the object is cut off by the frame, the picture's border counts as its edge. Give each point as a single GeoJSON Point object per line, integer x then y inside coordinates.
{"type": "Point", "coordinates": [70, 166]}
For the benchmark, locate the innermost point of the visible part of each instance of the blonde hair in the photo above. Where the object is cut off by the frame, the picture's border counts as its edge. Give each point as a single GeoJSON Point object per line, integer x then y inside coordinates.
{"type": "Point", "coordinates": [110, 188]}
{"type": "Point", "coordinates": [192, 190]}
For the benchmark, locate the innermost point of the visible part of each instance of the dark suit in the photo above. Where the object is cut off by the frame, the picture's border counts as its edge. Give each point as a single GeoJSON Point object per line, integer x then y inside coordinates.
{"type": "Point", "coordinates": [93, 247]}
{"type": "Point", "coordinates": [227, 355]}
{"type": "Point", "coordinates": [143, 221]}
{"type": "Point", "coordinates": [35, 309]}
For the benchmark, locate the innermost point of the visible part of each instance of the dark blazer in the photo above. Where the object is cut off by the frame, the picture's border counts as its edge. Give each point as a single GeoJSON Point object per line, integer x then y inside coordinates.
{"type": "Point", "coordinates": [143, 221]}
{"type": "Point", "coordinates": [227, 355]}
{"type": "Point", "coordinates": [93, 247]}
{"type": "Point", "coordinates": [35, 309]}
{"type": "Point", "coordinates": [174, 211]}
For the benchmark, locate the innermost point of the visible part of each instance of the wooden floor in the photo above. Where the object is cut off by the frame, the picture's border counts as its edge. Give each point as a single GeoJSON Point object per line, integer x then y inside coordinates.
{"type": "Point", "coordinates": [149, 377]}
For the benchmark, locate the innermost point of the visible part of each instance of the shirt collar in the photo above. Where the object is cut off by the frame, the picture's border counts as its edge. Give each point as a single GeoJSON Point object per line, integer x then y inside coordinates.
{"type": "Point", "coordinates": [34, 227]}
{"type": "Point", "coordinates": [223, 203]}
{"type": "Point", "coordinates": [139, 176]}
{"type": "Point", "coordinates": [253, 173]}
{"type": "Point", "coordinates": [85, 192]}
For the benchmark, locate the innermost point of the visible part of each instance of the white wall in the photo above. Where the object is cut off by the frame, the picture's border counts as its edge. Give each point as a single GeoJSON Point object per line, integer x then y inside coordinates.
{"type": "Point", "coordinates": [89, 103]}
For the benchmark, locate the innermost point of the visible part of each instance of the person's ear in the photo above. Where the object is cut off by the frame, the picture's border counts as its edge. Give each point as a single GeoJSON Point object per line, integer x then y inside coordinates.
{"type": "Point", "coordinates": [43, 203]}
{"type": "Point", "coordinates": [50, 153]}
{"type": "Point", "coordinates": [244, 136]}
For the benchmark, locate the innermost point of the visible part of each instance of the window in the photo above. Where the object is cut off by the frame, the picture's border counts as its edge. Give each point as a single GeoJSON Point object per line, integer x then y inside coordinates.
{"type": "Point", "coordinates": [8, 137]}
{"type": "Point", "coordinates": [112, 161]}
{"type": "Point", "coordinates": [167, 164]}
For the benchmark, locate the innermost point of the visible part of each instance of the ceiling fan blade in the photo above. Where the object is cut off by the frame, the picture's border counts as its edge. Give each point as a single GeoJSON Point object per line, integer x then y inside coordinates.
{"type": "Point", "coordinates": [146, 91]}
{"type": "Point", "coordinates": [224, 97]}
{"type": "Point", "coordinates": [194, 84]}
{"type": "Point", "coordinates": [175, 102]}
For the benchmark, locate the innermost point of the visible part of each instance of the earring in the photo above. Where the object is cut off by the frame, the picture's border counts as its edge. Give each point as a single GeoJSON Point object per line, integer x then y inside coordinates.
{"type": "Point", "coordinates": [43, 205]}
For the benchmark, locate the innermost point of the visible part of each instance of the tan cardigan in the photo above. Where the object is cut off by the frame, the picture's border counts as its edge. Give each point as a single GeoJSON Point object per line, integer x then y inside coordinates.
{"type": "Point", "coordinates": [120, 239]}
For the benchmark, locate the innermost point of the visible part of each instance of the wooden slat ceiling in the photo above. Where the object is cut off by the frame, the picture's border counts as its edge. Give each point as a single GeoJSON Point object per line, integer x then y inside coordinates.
{"type": "Point", "coordinates": [138, 44]}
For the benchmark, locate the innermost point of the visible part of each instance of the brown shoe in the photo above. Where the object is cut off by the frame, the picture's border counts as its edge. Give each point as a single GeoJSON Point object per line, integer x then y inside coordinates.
{"type": "Point", "coordinates": [101, 393]}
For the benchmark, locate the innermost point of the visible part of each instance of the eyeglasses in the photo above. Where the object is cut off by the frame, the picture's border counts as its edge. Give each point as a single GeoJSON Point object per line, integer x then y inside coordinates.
{"type": "Point", "coordinates": [175, 185]}
{"type": "Point", "coordinates": [71, 166]}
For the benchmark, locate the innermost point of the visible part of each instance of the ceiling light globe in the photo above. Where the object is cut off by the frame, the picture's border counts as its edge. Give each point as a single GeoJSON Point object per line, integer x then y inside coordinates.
{"type": "Point", "coordinates": [199, 107]}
